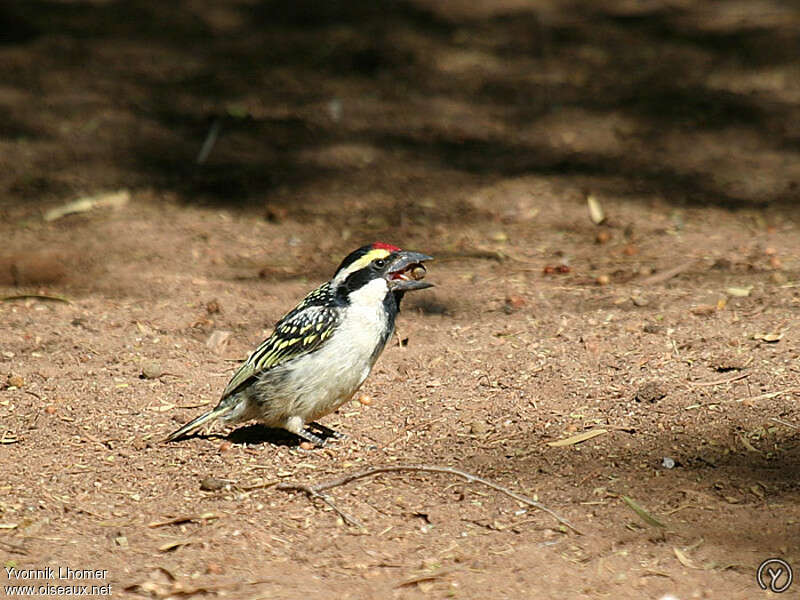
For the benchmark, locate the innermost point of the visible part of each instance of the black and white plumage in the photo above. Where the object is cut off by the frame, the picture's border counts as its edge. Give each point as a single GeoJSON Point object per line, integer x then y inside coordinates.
{"type": "Point", "coordinates": [321, 352]}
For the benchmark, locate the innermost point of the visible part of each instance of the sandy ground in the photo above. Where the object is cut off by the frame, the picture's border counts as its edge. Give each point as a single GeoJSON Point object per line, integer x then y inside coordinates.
{"type": "Point", "coordinates": [669, 331]}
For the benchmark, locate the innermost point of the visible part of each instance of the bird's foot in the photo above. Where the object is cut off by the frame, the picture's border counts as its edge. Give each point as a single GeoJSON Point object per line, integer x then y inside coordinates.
{"type": "Point", "coordinates": [318, 438]}
{"type": "Point", "coordinates": [309, 436]}
{"type": "Point", "coordinates": [327, 431]}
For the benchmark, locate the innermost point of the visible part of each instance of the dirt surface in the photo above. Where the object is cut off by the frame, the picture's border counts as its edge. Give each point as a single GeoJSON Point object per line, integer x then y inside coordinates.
{"type": "Point", "coordinates": [670, 330]}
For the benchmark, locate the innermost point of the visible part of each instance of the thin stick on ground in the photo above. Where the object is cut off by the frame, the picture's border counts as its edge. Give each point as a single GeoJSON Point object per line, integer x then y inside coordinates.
{"type": "Point", "coordinates": [785, 423]}
{"type": "Point", "coordinates": [49, 297]}
{"type": "Point", "coordinates": [663, 276]}
{"type": "Point", "coordinates": [315, 491]}
{"type": "Point", "coordinates": [767, 396]}
{"type": "Point", "coordinates": [718, 381]}
{"type": "Point", "coordinates": [312, 492]}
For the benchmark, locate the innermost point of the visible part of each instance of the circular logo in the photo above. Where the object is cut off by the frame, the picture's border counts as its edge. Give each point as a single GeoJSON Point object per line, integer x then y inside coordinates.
{"type": "Point", "coordinates": [775, 575]}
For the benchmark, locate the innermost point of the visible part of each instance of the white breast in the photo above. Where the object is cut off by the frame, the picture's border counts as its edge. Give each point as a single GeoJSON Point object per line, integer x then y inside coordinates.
{"type": "Point", "coordinates": [330, 376]}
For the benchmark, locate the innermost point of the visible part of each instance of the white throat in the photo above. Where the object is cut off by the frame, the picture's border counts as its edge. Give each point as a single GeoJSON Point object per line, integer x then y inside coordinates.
{"type": "Point", "coordinates": [371, 295]}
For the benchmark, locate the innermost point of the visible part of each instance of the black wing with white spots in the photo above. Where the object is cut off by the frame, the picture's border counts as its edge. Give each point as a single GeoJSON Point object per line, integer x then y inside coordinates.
{"type": "Point", "coordinates": [304, 329]}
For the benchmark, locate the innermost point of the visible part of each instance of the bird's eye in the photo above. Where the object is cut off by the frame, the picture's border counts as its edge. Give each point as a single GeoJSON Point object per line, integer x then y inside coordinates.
{"type": "Point", "coordinates": [380, 263]}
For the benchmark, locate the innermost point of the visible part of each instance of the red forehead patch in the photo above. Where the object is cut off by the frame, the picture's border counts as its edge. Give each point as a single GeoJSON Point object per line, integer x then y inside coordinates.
{"type": "Point", "coordinates": [382, 246]}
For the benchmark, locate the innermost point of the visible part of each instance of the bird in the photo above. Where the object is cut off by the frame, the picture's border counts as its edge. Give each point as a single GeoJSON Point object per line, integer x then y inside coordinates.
{"type": "Point", "coordinates": [321, 351]}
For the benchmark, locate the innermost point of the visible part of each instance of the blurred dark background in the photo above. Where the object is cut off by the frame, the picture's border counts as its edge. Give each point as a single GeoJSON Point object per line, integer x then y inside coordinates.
{"type": "Point", "coordinates": [247, 102]}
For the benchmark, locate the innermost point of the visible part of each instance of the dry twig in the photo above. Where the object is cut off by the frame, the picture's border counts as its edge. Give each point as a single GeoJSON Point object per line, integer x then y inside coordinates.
{"type": "Point", "coordinates": [13, 548]}
{"type": "Point", "coordinates": [315, 491]}
{"type": "Point", "coordinates": [766, 396]}
{"type": "Point", "coordinates": [663, 276]}
{"type": "Point", "coordinates": [49, 297]}
{"type": "Point", "coordinates": [183, 519]}
{"type": "Point", "coordinates": [427, 576]}
{"type": "Point", "coordinates": [719, 381]}
{"type": "Point", "coordinates": [785, 423]}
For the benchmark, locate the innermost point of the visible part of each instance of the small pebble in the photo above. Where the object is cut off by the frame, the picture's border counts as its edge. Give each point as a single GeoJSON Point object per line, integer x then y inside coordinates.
{"type": "Point", "coordinates": [274, 213]}
{"type": "Point", "coordinates": [478, 427]}
{"type": "Point", "coordinates": [212, 307]}
{"type": "Point", "coordinates": [306, 446]}
{"type": "Point", "coordinates": [15, 381]}
{"type": "Point", "coordinates": [722, 264]}
{"type": "Point", "coordinates": [668, 462]}
{"type": "Point", "coordinates": [515, 302]}
{"type": "Point", "coordinates": [602, 279]}
{"type": "Point", "coordinates": [50, 409]}
{"type": "Point", "coordinates": [365, 399]}
{"type": "Point", "coordinates": [211, 484]}
{"type": "Point", "coordinates": [151, 369]}
{"type": "Point", "coordinates": [650, 392]}
{"type": "Point", "coordinates": [702, 310]}
{"type": "Point", "coordinates": [225, 446]}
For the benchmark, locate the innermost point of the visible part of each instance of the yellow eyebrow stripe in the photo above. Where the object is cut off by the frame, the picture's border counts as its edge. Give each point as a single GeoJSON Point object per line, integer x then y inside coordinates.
{"type": "Point", "coordinates": [366, 259]}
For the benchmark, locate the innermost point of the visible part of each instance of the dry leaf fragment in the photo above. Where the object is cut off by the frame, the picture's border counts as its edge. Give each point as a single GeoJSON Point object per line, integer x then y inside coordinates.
{"type": "Point", "coordinates": [770, 338]}
{"type": "Point", "coordinates": [8, 438]}
{"type": "Point", "coordinates": [174, 544]}
{"type": "Point", "coordinates": [577, 439]}
{"type": "Point", "coordinates": [739, 292]}
{"type": "Point", "coordinates": [684, 560]}
{"type": "Point", "coordinates": [642, 513]}
{"type": "Point", "coordinates": [111, 200]}
{"type": "Point", "coordinates": [596, 213]}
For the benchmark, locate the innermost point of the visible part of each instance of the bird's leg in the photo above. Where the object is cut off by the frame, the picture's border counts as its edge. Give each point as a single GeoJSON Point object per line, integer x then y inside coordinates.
{"type": "Point", "coordinates": [328, 431]}
{"type": "Point", "coordinates": [295, 426]}
{"type": "Point", "coordinates": [311, 437]}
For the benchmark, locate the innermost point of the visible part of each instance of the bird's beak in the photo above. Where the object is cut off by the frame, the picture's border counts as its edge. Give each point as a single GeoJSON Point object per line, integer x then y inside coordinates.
{"type": "Point", "coordinates": [406, 272]}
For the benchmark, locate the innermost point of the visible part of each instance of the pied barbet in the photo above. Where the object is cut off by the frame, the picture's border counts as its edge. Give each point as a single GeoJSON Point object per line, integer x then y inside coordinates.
{"type": "Point", "coordinates": [321, 352]}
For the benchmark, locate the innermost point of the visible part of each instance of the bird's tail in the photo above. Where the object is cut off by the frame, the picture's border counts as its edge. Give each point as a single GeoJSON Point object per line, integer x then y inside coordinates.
{"type": "Point", "coordinates": [197, 423]}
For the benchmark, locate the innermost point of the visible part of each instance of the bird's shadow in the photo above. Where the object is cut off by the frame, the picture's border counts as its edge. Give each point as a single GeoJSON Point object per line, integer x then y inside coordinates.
{"type": "Point", "coordinates": [252, 435]}
{"type": "Point", "coordinates": [261, 434]}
